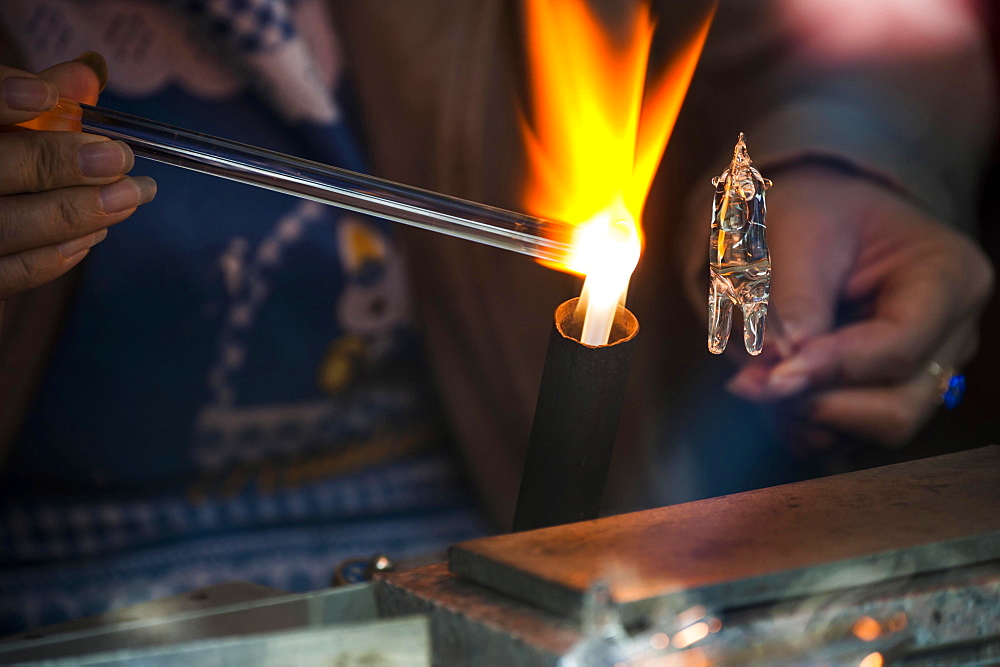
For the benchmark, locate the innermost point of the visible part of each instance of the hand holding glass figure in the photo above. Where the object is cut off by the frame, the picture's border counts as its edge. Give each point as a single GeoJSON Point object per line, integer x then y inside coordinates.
{"type": "Point", "coordinates": [879, 374]}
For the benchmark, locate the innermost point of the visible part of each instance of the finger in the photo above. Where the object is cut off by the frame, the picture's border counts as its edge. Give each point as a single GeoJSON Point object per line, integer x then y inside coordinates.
{"type": "Point", "coordinates": [38, 161]}
{"type": "Point", "coordinates": [892, 415]}
{"type": "Point", "coordinates": [24, 95]}
{"type": "Point", "coordinates": [81, 79]}
{"type": "Point", "coordinates": [889, 416]}
{"type": "Point", "coordinates": [32, 221]}
{"type": "Point", "coordinates": [756, 382]}
{"type": "Point", "coordinates": [910, 319]}
{"type": "Point", "coordinates": [750, 382]}
{"type": "Point", "coordinates": [811, 255]}
{"type": "Point", "coordinates": [25, 270]}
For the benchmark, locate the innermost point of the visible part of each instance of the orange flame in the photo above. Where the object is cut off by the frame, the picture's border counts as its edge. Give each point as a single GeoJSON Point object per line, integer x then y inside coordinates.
{"type": "Point", "coordinates": [597, 130]}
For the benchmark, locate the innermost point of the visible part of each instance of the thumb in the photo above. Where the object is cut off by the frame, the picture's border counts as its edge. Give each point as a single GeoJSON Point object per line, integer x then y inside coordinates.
{"type": "Point", "coordinates": [80, 79]}
{"type": "Point", "coordinates": [24, 95]}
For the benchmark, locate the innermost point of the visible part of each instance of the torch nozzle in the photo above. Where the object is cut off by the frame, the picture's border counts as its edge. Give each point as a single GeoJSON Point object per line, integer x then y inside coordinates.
{"type": "Point", "coordinates": [543, 239]}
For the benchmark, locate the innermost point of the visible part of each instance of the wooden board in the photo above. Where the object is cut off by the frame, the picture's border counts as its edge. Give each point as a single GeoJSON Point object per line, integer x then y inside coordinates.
{"type": "Point", "coordinates": [760, 546]}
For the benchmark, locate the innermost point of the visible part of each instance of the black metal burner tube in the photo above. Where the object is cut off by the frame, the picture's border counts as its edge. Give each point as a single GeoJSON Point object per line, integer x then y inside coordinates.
{"type": "Point", "coordinates": [576, 422]}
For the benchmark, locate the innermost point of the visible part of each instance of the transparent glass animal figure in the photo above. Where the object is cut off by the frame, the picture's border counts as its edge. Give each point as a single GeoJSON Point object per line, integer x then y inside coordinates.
{"type": "Point", "coordinates": [739, 263]}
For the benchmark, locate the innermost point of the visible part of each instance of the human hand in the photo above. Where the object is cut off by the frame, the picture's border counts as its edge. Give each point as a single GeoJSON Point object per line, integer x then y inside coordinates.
{"type": "Point", "coordinates": [917, 289]}
{"type": "Point", "coordinates": [59, 191]}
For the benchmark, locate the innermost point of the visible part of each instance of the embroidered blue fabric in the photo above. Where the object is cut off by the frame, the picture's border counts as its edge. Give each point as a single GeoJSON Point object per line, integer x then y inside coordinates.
{"type": "Point", "coordinates": [239, 391]}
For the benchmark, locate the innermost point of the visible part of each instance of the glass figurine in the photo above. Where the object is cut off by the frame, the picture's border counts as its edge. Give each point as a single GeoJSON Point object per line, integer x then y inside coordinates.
{"type": "Point", "coordinates": [739, 264]}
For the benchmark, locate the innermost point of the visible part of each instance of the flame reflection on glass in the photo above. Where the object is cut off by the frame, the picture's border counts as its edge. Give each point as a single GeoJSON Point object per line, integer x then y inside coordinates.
{"type": "Point", "coordinates": [867, 629]}
{"type": "Point", "coordinates": [691, 634]}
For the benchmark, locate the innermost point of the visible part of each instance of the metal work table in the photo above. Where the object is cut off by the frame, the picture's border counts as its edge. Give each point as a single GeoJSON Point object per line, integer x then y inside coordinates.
{"type": "Point", "coordinates": [788, 574]}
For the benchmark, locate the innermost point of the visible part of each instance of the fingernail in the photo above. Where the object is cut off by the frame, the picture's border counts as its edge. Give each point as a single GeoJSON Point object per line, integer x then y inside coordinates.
{"type": "Point", "coordinates": [782, 385]}
{"type": "Point", "coordinates": [127, 193]}
{"type": "Point", "coordinates": [96, 62]}
{"type": "Point", "coordinates": [100, 159]}
{"type": "Point", "coordinates": [26, 94]}
{"type": "Point", "coordinates": [800, 364]}
{"type": "Point", "coordinates": [78, 245]}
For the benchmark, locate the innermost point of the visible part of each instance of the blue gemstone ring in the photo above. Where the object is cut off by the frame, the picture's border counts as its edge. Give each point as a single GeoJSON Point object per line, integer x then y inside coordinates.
{"type": "Point", "coordinates": [951, 385]}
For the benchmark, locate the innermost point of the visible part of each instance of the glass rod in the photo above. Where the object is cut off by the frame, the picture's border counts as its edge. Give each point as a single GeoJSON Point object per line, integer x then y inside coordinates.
{"type": "Point", "coordinates": [543, 239]}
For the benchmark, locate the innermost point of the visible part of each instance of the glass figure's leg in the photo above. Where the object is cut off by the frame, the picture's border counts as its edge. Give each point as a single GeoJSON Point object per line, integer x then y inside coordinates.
{"type": "Point", "coordinates": [720, 314]}
{"type": "Point", "coordinates": [754, 316]}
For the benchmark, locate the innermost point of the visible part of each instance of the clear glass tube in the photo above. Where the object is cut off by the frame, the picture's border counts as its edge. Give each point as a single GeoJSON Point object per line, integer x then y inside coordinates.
{"type": "Point", "coordinates": [543, 239]}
